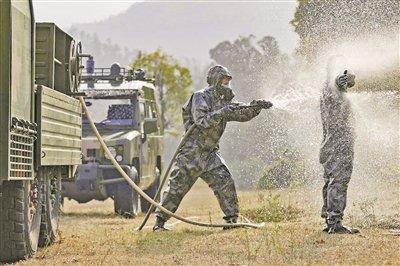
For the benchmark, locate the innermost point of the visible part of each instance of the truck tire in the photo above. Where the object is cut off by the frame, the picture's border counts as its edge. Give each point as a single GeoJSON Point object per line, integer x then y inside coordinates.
{"type": "Point", "coordinates": [52, 206]}
{"type": "Point", "coordinates": [20, 217]}
{"type": "Point", "coordinates": [151, 192]}
{"type": "Point", "coordinates": [126, 201]}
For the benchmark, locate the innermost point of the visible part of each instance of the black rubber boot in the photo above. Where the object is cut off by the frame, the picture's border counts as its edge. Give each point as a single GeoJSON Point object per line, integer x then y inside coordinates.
{"type": "Point", "coordinates": [338, 228]}
{"type": "Point", "coordinates": [230, 220]}
{"type": "Point", "coordinates": [159, 225]}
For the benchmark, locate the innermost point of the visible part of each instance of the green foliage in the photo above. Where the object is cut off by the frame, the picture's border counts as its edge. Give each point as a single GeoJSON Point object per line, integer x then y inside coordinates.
{"type": "Point", "coordinates": [272, 210]}
{"type": "Point", "coordinates": [173, 82]}
{"type": "Point", "coordinates": [286, 170]}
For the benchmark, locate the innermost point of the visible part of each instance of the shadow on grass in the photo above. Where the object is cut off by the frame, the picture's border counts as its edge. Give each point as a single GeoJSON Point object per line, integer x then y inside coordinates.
{"type": "Point", "coordinates": [91, 215]}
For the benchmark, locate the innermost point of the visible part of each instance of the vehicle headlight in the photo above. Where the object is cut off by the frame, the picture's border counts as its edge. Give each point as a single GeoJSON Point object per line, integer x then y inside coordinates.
{"type": "Point", "coordinates": [113, 152]}
{"type": "Point", "coordinates": [119, 158]}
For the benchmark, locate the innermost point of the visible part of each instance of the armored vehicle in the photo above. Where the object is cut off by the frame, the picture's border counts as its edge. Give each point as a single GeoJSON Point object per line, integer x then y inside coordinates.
{"type": "Point", "coordinates": [123, 105]}
{"type": "Point", "coordinates": [40, 133]}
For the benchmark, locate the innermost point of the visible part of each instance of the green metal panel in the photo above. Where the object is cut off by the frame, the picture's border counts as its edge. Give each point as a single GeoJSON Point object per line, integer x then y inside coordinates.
{"type": "Point", "coordinates": [62, 55]}
{"type": "Point", "coordinates": [52, 57]}
{"type": "Point", "coordinates": [44, 55]}
{"type": "Point", "coordinates": [16, 85]}
{"type": "Point", "coordinates": [5, 74]}
{"type": "Point", "coordinates": [60, 126]}
{"type": "Point", "coordinates": [21, 60]}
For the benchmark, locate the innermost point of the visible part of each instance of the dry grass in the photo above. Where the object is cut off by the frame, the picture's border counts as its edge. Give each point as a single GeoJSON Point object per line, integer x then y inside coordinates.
{"type": "Point", "coordinates": [92, 234]}
{"type": "Point", "coordinates": [271, 209]}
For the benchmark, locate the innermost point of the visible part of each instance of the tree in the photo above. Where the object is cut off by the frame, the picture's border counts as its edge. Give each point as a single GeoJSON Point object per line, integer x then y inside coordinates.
{"type": "Point", "coordinates": [173, 82]}
{"type": "Point", "coordinates": [321, 22]}
{"type": "Point", "coordinates": [254, 64]}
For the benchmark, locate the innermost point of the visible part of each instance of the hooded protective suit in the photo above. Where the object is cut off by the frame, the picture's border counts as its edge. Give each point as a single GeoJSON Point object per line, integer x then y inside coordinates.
{"type": "Point", "coordinates": [209, 109]}
{"type": "Point", "coordinates": [337, 150]}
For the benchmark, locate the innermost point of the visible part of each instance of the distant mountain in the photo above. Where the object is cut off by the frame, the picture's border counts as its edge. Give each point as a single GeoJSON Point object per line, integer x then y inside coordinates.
{"type": "Point", "coordinates": [188, 30]}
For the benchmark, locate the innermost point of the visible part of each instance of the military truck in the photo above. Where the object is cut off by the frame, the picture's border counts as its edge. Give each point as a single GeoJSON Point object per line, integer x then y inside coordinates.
{"type": "Point", "coordinates": [123, 105]}
{"type": "Point", "coordinates": [40, 133]}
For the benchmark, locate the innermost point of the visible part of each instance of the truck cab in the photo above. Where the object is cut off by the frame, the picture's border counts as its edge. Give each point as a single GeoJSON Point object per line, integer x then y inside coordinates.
{"type": "Point", "coordinates": [125, 111]}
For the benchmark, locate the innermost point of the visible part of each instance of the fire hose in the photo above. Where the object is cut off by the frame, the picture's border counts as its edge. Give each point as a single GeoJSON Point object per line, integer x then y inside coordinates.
{"type": "Point", "coordinates": [144, 195]}
{"type": "Point", "coordinates": [166, 172]}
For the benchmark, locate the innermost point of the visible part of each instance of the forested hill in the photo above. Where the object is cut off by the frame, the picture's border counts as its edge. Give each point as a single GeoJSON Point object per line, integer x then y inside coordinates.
{"type": "Point", "coordinates": [189, 30]}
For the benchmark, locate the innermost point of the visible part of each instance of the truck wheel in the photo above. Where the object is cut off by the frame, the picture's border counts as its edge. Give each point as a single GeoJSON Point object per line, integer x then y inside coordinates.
{"type": "Point", "coordinates": [20, 216]}
{"type": "Point", "coordinates": [125, 201]}
{"type": "Point", "coordinates": [52, 207]}
{"type": "Point", "coordinates": [151, 192]}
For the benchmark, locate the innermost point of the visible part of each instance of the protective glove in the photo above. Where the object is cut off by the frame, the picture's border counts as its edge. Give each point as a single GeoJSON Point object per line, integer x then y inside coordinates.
{"type": "Point", "coordinates": [342, 81]}
{"type": "Point", "coordinates": [264, 104]}
{"type": "Point", "coordinates": [225, 111]}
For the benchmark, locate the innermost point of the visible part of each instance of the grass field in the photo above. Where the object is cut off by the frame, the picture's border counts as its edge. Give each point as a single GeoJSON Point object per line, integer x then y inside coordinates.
{"type": "Point", "coordinates": [92, 234]}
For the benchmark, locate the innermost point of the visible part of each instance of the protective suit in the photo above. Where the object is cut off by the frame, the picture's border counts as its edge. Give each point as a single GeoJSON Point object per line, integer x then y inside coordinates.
{"type": "Point", "coordinates": [209, 109]}
{"type": "Point", "coordinates": [337, 150]}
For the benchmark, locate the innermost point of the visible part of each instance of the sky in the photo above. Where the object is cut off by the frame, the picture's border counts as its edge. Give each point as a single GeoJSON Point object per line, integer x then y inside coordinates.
{"type": "Point", "coordinates": [89, 15]}
{"type": "Point", "coordinates": [67, 12]}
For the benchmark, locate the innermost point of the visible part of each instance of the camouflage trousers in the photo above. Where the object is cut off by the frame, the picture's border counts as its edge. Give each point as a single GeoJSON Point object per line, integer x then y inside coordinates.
{"type": "Point", "coordinates": [218, 179]}
{"type": "Point", "coordinates": [334, 193]}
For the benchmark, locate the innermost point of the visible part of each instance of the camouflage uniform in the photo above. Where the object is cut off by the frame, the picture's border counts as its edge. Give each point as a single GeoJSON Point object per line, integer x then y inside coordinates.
{"type": "Point", "coordinates": [200, 155]}
{"type": "Point", "coordinates": [337, 151]}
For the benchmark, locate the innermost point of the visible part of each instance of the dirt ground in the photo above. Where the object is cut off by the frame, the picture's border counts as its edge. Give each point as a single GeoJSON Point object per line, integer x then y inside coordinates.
{"type": "Point", "coordinates": [91, 234]}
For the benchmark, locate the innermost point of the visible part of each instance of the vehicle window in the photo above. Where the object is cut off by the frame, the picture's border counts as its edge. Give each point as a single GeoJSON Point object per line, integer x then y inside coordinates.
{"type": "Point", "coordinates": [120, 111]}
{"type": "Point", "coordinates": [111, 111]}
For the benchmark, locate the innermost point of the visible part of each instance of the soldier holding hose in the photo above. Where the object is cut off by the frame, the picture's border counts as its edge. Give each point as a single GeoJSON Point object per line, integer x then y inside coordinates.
{"type": "Point", "coordinates": [209, 110]}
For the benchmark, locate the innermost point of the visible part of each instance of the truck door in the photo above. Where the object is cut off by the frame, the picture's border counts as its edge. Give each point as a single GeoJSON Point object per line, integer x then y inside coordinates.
{"type": "Point", "coordinates": [152, 140]}
{"type": "Point", "coordinates": [144, 146]}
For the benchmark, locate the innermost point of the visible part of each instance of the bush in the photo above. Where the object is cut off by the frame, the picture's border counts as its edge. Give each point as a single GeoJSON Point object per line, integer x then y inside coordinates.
{"type": "Point", "coordinates": [286, 170]}
{"type": "Point", "coordinates": [272, 211]}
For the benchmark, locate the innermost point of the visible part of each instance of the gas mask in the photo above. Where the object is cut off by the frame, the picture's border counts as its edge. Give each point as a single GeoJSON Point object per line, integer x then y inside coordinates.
{"type": "Point", "coordinates": [215, 78]}
{"type": "Point", "coordinates": [226, 92]}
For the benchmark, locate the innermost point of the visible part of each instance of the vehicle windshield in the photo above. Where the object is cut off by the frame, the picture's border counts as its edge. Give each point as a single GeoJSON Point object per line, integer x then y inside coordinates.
{"type": "Point", "coordinates": [113, 112]}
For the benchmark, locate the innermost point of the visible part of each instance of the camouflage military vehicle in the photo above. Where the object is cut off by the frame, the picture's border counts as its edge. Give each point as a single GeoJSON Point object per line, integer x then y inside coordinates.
{"type": "Point", "coordinates": [40, 133]}
{"type": "Point", "coordinates": [123, 105]}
